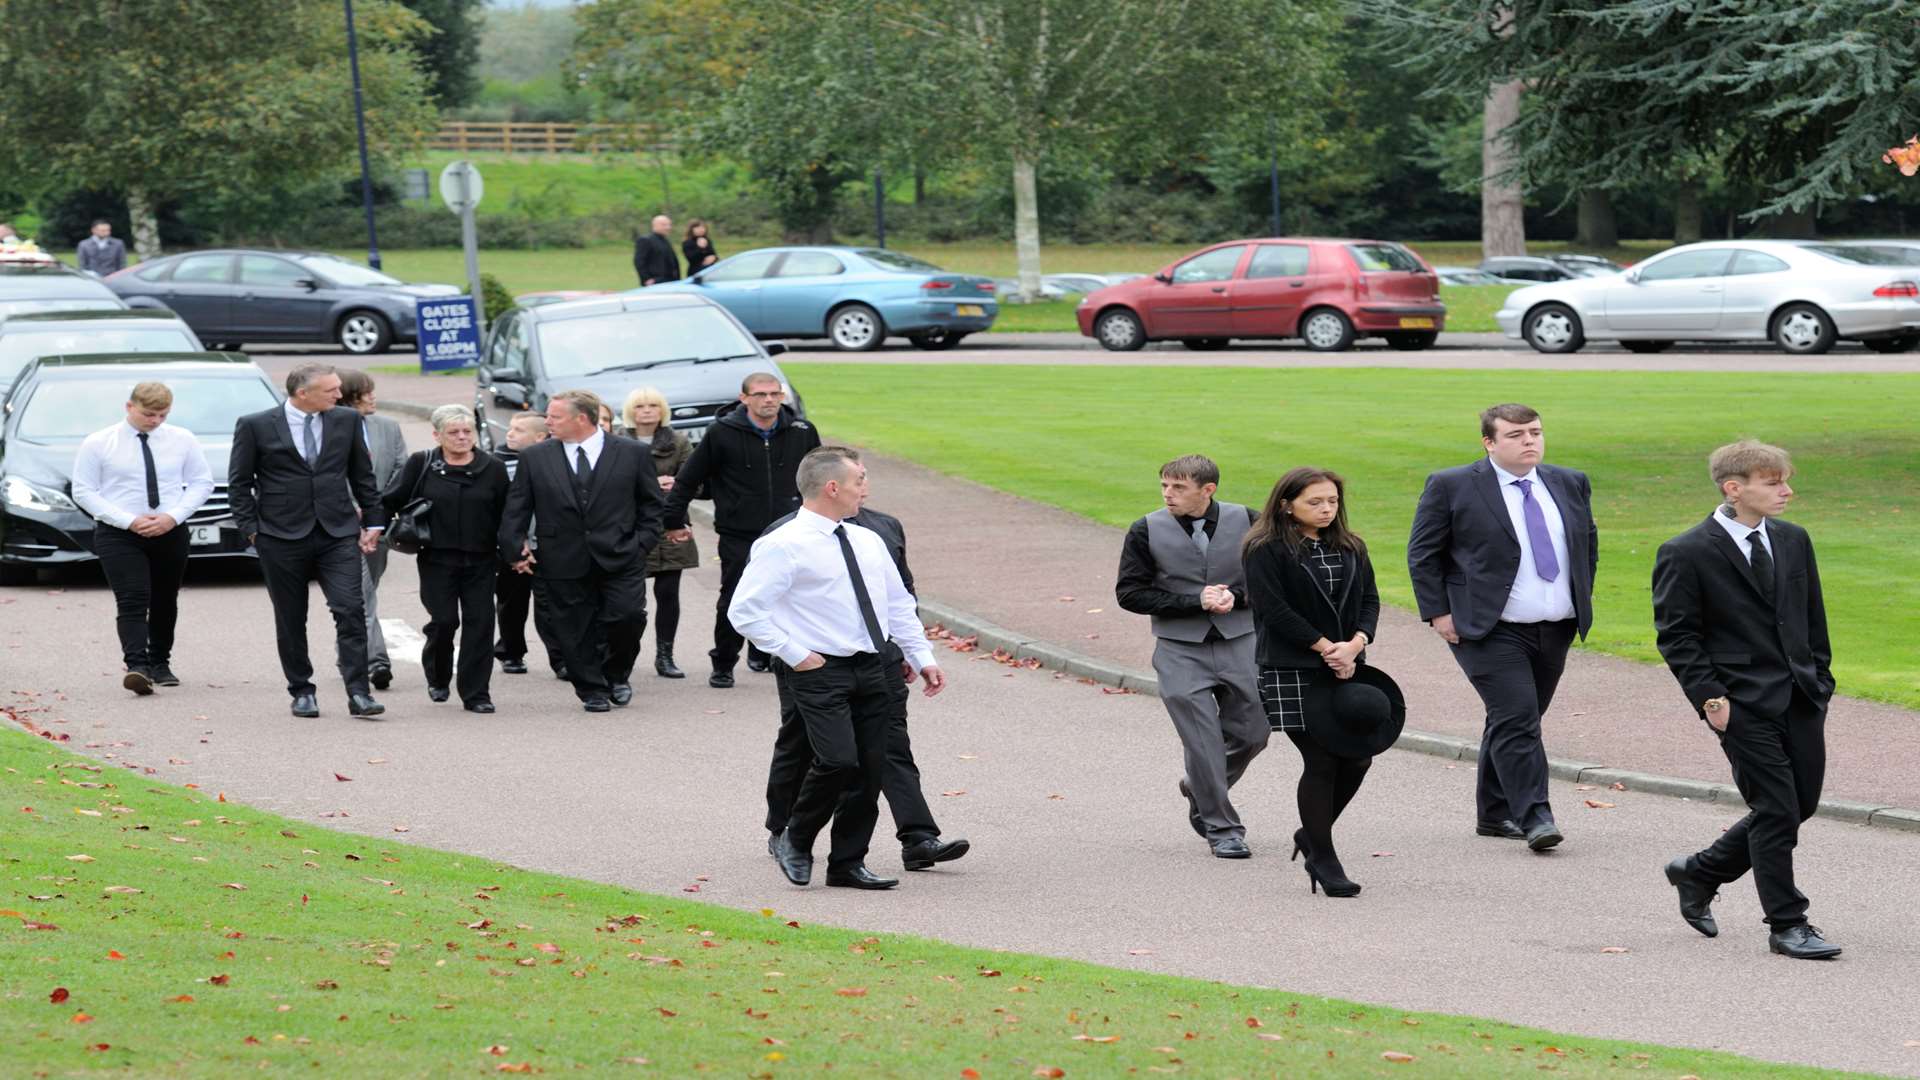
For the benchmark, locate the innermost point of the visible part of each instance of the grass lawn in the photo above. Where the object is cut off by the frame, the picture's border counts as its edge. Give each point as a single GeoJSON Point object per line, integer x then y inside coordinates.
{"type": "Point", "coordinates": [1091, 440]}
{"type": "Point", "coordinates": [155, 931]}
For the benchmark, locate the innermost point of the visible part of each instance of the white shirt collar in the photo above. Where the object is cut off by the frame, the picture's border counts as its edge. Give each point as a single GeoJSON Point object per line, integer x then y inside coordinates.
{"type": "Point", "coordinates": [1739, 531]}
{"type": "Point", "coordinates": [1507, 478]}
{"type": "Point", "coordinates": [818, 522]}
{"type": "Point", "coordinates": [591, 442]}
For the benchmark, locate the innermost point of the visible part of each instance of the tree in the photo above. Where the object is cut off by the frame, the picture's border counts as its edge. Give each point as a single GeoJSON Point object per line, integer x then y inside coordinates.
{"type": "Point", "coordinates": [450, 55]}
{"type": "Point", "coordinates": [185, 104]}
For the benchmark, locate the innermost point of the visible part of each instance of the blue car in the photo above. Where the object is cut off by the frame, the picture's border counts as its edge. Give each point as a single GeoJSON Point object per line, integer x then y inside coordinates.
{"type": "Point", "coordinates": [853, 297]}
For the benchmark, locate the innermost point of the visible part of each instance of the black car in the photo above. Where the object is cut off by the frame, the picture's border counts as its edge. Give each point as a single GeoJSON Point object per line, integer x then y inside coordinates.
{"type": "Point", "coordinates": [239, 297]}
{"type": "Point", "coordinates": [24, 338]}
{"type": "Point", "coordinates": [44, 284]}
{"type": "Point", "coordinates": [59, 400]}
{"type": "Point", "coordinates": [1528, 268]}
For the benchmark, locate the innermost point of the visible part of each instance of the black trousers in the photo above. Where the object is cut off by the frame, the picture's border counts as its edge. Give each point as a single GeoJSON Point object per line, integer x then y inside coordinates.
{"type": "Point", "coordinates": [727, 641]}
{"type": "Point", "coordinates": [599, 619]}
{"type": "Point", "coordinates": [145, 573]}
{"type": "Point", "coordinates": [1516, 669]}
{"type": "Point", "coordinates": [1779, 765]}
{"type": "Point", "coordinates": [666, 605]}
{"type": "Point", "coordinates": [792, 754]}
{"type": "Point", "coordinates": [844, 705]}
{"type": "Point", "coordinates": [1327, 785]}
{"type": "Point", "coordinates": [457, 589]}
{"type": "Point", "coordinates": [334, 561]}
{"type": "Point", "coordinates": [515, 594]}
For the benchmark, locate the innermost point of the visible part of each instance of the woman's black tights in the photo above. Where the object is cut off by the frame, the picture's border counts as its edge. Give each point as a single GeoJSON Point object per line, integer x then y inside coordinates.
{"type": "Point", "coordinates": [1327, 785]}
{"type": "Point", "coordinates": [666, 605]}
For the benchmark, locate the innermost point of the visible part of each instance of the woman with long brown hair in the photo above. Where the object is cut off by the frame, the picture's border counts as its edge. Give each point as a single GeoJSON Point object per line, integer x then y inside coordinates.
{"type": "Point", "coordinates": [698, 247]}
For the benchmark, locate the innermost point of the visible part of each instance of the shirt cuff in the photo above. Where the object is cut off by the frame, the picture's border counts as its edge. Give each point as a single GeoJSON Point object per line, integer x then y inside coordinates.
{"type": "Point", "coordinates": [793, 654]}
{"type": "Point", "coordinates": [374, 528]}
{"type": "Point", "coordinates": [919, 658]}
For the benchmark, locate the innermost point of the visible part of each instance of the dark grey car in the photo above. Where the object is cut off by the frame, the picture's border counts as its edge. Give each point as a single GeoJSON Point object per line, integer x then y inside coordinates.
{"type": "Point", "coordinates": [24, 338]}
{"type": "Point", "coordinates": [237, 297]}
{"type": "Point", "coordinates": [50, 286]}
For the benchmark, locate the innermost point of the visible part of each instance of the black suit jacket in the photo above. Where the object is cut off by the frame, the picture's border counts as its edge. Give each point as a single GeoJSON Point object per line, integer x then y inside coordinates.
{"type": "Point", "coordinates": [1722, 638]}
{"type": "Point", "coordinates": [615, 528]}
{"type": "Point", "coordinates": [1463, 554]}
{"type": "Point", "coordinates": [1291, 608]}
{"type": "Point", "coordinates": [274, 492]}
{"type": "Point", "coordinates": [654, 260]}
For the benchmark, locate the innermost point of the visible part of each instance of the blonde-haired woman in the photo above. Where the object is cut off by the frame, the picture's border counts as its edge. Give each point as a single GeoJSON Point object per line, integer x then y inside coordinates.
{"type": "Point", "coordinates": [645, 414]}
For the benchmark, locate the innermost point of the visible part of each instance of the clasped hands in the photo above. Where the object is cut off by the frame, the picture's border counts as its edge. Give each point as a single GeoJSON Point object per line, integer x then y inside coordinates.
{"type": "Point", "coordinates": [152, 525]}
{"type": "Point", "coordinates": [525, 565]}
{"type": "Point", "coordinates": [1341, 656]}
{"type": "Point", "coordinates": [1217, 599]}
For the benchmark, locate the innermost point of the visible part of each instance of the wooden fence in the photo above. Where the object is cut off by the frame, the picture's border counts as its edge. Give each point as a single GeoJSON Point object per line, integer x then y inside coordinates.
{"type": "Point", "coordinates": [505, 137]}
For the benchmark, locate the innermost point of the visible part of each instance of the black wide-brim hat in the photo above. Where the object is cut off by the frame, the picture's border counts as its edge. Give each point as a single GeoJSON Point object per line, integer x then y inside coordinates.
{"type": "Point", "coordinates": [1359, 717]}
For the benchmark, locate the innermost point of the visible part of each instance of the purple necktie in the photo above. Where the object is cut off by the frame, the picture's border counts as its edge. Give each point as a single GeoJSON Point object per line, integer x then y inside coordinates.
{"type": "Point", "coordinates": [1541, 541]}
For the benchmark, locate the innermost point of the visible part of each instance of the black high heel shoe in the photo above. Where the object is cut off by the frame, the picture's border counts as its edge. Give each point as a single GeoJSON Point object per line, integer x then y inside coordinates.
{"type": "Point", "coordinates": [1299, 844]}
{"type": "Point", "coordinates": [1333, 881]}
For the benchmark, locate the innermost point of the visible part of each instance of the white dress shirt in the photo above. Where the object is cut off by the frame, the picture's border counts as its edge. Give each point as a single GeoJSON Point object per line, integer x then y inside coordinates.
{"type": "Point", "coordinates": [593, 444]}
{"type": "Point", "coordinates": [110, 476]}
{"type": "Point", "coordinates": [795, 596]}
{"type": "Point", "coordinates": [1532, 598]}
{"type": "Point", "coordinates": [1740, 533]}
{"type": "Point", "coordinates": [297, 425]}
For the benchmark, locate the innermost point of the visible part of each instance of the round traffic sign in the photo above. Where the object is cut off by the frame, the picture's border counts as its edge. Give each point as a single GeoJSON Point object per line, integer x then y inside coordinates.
{"type": "Point", "coordinates": [460, 186]}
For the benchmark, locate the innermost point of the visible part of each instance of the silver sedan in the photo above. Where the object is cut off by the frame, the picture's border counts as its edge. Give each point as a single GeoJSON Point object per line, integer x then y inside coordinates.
{"type": "Point", "coordinates": [1801, 295]}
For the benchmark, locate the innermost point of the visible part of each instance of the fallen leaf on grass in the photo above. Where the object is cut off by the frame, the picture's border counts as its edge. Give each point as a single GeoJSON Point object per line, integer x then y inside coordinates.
{"type": "Point", "coordinates": [1270, 1036]}
{"type": "Point", "coordinates": [82, 1018]}
{"type": "Point", "coordinates": [89, 813]}
{"type": "Point", "coordinates": [326, 984]}
{"type": "Point", "coordinates": [1596, 804]}
{"type": "Point", "coordinates": [515, 1067]}
{"type": "Point", "coordinates": [988, 973]}
{"type": "Point", "coordinates": [667, 1012]}
{"type": "Point", "coordinates": [1396, 1056]}
{"type": "Point", "coordinates": [182, 998]}
{"type": "Point", "coordinates": [116, 954]}
{"type": "Point", "coordinates": [1083, 1037]}
{"type": "Point", "coordinates": [79, 858]}
{"type": "Point", "coordinates": [1050, 1071]}
{"type": "Point", "coordinates": [235, 886]}
{"type": "Point", "coordinates": [855, 991]}
{"type": "Point", "coordinates": [122, 889]}
{"type": "Point", "coordinates": [220, 980]}
{"type": "Point", "coordinates": [547, 947]}
{"type": "Point", "coordinates": [497, 1051]}
{"type": "Point", "coordinates": [1254, 1022]}
{"type": "Point", "coordinates": [969, 1074]}
{"type": "Point", "coordinates": [59, 995]}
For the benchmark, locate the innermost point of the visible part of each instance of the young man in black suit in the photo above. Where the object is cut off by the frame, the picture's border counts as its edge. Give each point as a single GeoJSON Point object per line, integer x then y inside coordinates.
{"type": "Point", "coordinates": [1502, 555]}
{"type": "Point", "coordinates": [598, 505]}
{"type": "Point", "coordinates": [300, 483]}
{"type": "Point", "coordinates": [1739, 620]}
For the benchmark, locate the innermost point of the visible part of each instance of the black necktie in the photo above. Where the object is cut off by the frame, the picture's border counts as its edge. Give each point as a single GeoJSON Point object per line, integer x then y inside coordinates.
{"type": "Point", "coordinates": [582, 471]}
{"type": "Point", "coordinates": [153, 477]}
{"type": "Point", "coordinates": [1762, 564]}
{"type": "Point", "coordinates": [860, 589]}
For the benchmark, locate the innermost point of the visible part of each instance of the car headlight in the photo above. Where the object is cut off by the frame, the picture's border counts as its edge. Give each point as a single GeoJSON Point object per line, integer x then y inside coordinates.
{"type": "Point", "coordinates": [27, 495]}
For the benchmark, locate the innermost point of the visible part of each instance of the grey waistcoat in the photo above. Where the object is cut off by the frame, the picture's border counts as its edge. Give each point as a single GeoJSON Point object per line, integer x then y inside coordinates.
{"type": "Point", "coordinates": [1178, 568]}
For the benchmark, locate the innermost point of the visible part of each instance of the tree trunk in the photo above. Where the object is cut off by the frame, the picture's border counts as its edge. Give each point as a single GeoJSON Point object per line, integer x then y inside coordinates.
{"type": "Point", "coordinates": [1687, 222]}
{"type": "Point", "coordinates": [146, 223]}
{"type": "Point", "coordinates": [919, 185]}
{"type": "Point", "coordinates": [1026, 225]}
{"type": "Point", "coordinates": [1503, 227]}
{"type": "Point", "coordinates": [1597, 228]}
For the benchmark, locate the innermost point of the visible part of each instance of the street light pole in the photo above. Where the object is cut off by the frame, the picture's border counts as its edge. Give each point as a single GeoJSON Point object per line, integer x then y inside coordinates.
{"type": "Point", "coordinates": [360, 123]}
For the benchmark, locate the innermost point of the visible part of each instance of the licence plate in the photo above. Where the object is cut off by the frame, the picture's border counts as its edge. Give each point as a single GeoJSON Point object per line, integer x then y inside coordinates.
{"type": "Point", "coordinates": [1416, 324]}
{"type": "Point", "coordinates": [969, 309]}
{"type": "Point", "coordinates": [203, 535]}
{"type": "Point", "coordinates": [694, 435]}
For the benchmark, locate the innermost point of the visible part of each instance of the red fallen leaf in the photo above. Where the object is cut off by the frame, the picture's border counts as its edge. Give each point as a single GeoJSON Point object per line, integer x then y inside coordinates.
{"type": "Point", "coordinates": [223, 796]}
{"type": "Point", "coordinates": [303, 899]}
{"type": "Point", "coordinates": [1051, 1071]}
{"type": "Point", "coordinates": [481, 925]}
{"type": "Point", "coordinates": [668, 1012]}
{"type": "Point", "coordinates": [1254, 1022]}
{"type": "Point", "coordinates": [969, 1074]}
{"type": "Point", "coordinates": [515, 1067]}
{"type": "Point", "coordinates": [101, 1046]}
{"type": "Point", "coordinates": [1618, 786]}
{"type": "Point", "coordinates": [793, 923]}
{"type": "Point", "coordinates": [116, 954]}
{"type": "Point", "coordinates": [497, 1051]}
{"type": "Point", "coordinates": [547, 947]}
{"type": "Point", "coordinates": [59, 995]}
{"type": "Point", "coordinates": [29, 924]}
{"type": "Point", "coordinates": [690, 888]}
{"type": "Point", "coordinates": [250, 1041]}
{"type": "Point", "coordinates": [236, 935]}
{"type": "Point", "coordinates": [1596, 804]}
{"type": "Point", "coordinates": [852, 991]}
{"type": "Point", "coordinates": [182, 998]}
{"type": "Point", "coordinates": [755, 1015]}
{"type": "Point", "coordinates": [228, 955]}
{"type": "Point", "coordinates": [1396, 1057]}
{"type": "Point", "coordinates": [342, 779]}
{"type": "Point", "coordinates": [82, 1018]}
{"type": "Point", "coordinates": [220, 980]}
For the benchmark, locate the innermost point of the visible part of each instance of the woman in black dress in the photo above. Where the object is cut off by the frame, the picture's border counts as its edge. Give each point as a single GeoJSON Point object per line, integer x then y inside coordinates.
{"type": "Point", "coordinates": [698, 247]}
{"type": "Point", "coordinates": [1315, 609]}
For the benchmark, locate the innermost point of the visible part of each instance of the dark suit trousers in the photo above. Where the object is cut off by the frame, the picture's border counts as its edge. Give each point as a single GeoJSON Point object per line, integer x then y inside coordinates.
{"type": "Point", "coordinates": [1516, 669]}
{"type": "Point", "coordinates": [456, 587]}
{"type": "Point", "coordinates": [599, 619]}
{"type": "Point", "coordinates": [288, 565]}
{"type": "Point", "coordinates": [145, 573]}
{"type": "Point", "coordinates": [727, 642]}
{"type": "Point", "coordinates": [845, 706]}
{"type": "Point", "coordinates": [516, 596]}
{"type": "Point", "coordinates": [1779, 764]}
{"type": "Point", "coordinates": [792, 754]}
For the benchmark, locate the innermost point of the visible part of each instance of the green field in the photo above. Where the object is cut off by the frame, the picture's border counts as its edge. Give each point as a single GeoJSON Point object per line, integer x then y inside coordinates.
{"type": "Point", "coordinates": [1090, 440]}
{"type": "Point", "coordinates": [150, 930]}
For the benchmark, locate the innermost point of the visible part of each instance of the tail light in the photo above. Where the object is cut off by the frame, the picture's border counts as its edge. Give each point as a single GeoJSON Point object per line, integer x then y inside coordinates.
{"type": "Point", "coordinates": [1893, 289]}
{"type": "Point", "coordinates": [936, 284]}
{"type": "Point", "coordinates": [986, 286]}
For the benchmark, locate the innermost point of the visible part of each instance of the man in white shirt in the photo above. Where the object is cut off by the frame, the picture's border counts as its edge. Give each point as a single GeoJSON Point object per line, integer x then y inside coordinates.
{"type": "Point", "coordinates": [141, 480]}
{"type": "Point", "coordinates": [823, 598]}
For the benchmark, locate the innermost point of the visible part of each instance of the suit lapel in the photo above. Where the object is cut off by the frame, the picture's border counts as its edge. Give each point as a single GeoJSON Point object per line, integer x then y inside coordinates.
{"type": "Point", "coordinates": [284, 429]}
{"type": "Point", "coordinates": [1488, 484]}
{"type": "Point", "coordinates": [1572, 511]}
{"type": "Point", "coordinates": [1742, 566]}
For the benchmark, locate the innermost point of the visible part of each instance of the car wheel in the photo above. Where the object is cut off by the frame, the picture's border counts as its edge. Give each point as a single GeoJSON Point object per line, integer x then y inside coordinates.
{"type": "Point", "coordinates": [1554, 328]}
{"type": "Point", "coordinates": [1803, 329]}
{"type": "Point", "coordinates": [935, 341]}
{"type": "Point", "coordinates": [1119, 330]}
{"type": "Point", "coordinates": [856, 328]}
{"type": "Point", "coordinates": [1891, 344]}
{"type": "Point", "coordinates": [1204, 344]}
{"type": "Point", "coordinates": [1647, 346]}
{"type": "Point", "coordinates": [1413, 342]}
{"type": "Point", "coordinates": [1327, 330]}
{"type": "Point", "coordinates": [362, 332]}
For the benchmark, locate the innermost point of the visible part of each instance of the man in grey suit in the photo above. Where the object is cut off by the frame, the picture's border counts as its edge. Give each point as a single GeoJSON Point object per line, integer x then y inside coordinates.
{"type": "Point", "coordinates": [102, 253]}
{"type": "Point", "coordinates": [389, 448]}
{"type": "Point", "coordinates": [1181, 566]}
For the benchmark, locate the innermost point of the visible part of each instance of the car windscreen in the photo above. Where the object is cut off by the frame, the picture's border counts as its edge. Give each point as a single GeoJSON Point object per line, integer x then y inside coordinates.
{"type": "Point", "coordinates": [61, 303]}
{"type": "Point", "coordinates": [1383, 257]}
{"type": "Point", "coordinates": [204, 405]}
{"type": "Point", "coordinates": [570, 347]}
{"type": "Point", "coordinates": [342, 272]}
{"type": "Point", "coordinates": [1856, 255]}
{"type": "Point", "coordinates": [893, 260]}
{"type": "Point", "coordinates": [17, 345]}
{"type": "Point", "coordinates": [44, 279]}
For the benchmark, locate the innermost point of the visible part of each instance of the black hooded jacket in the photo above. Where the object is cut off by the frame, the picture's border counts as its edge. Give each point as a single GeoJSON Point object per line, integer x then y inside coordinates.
{"type": "Point", "coordinates": [750, 478]}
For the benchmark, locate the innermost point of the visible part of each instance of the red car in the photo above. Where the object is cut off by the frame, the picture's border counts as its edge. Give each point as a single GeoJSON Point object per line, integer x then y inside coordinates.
{"type": "Point", "coordinates": [1325, 292]}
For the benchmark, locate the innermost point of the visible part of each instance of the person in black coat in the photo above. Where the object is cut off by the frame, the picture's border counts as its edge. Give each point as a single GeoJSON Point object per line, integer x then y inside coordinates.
{"type": "Point", "coordinates": [698, 247]}
{"type": "Point", "coordinates": [597, 504]}
{"type": "Point", "coordinates": [1316, 608]}
{"type": "Point", "coordinates": [653, 257]}
{"type": "Point", "coordinates": [1739, 618]}
{"type": "Point", "coordinates": [468, 489]}
{"type": "Point", "coordinates": [300, 484]}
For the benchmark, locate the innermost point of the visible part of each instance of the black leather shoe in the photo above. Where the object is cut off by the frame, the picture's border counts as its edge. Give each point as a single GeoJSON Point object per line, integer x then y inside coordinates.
{"type": "Point", "coordinates": [773, 844]}
{"type": "Point", "coordinates": [513, 667]}
{"type": "Point", "coordinates": [305, 706]}
{"type": "Point", "coordinates": [437, 694]}
{"type": "Point", "coordinates": [622, 694]}
{"type": "Point", "coordinates": [138, 681]}
{"type": "Point", "coordinates": [797, 865]}
{"type": "Point", "coordinates": [380, 677]}
{"type": "Point", "coordinates": [560, 672]}
{"type": "Point", "coordinates": [162, 675]}
{"type": "Point", "coordinates": [1800, 942]}
{"type": "Point", "coordinates": [1695, 895]}
{"type": "Point", "coordinates": [480, 706]}
{"type": "Point", "coordinates": [721, 680]}
{"type": "Point", "coordinates": [1193, 811]}
{"type": "Point", "coordinates": [1230, 847]}
{"type": "Point", "coordinates": [364, 705]}
{"type": "Point", "coordinates": [859, 878]}
{"type": "Point", "coordinates": [1505, 830]}
{"type": "Point", "coordinates": [1542, 837]}
{"type": "Point", "coordinates": [663, 664]}
{"type": "Point", "coordinates": [922, 855]}
{"type": "Point", "coordinates": [759, 665]}
{"type": "Point", "coordinates": [597, 704]}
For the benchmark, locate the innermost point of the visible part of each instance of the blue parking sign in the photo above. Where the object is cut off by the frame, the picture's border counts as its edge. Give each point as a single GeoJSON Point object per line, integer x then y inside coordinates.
{"type": "Point", "coordinates": [448, 332]}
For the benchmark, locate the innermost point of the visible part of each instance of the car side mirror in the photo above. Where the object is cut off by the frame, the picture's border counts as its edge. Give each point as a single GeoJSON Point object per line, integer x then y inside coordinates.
{"type": "Point", "coordinates": [775, 348]}
{"type": "Point", "coordinates": [1632, 276]}
{"type": "Point", "coordinates": [505, 375]}
{"type": "Point", "coordinates": [1163, 278]}
{"type": "Point", "coordinates": [306, 283]}
{"type": "Point", "coordinates": [698, 279]}
{"type": "Point", "coordinates": [510, 393]}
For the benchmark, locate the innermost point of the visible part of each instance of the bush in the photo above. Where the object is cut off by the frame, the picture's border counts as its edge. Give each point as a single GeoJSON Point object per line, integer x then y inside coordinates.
{"type": "Point", "coordinates": [494, 297]}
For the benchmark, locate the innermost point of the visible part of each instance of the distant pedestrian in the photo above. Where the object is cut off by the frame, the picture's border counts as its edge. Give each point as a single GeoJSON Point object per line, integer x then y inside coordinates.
{"type": "Point", "coordinates": [515, 594]}
{"type": "Point", "coordinates": [1739, 619]}
{"type": "Point", "coordinates": [1180, 565]}
{"type": "Point", "coordinates": [698, 247]}
{"type": "Point", "coordinates": [645, 412]}
{"type": "Point", "coordinates": [1315, 609]}
{"type": "Point", "coordinates": [607, 425]}
{"type": "Point", "coordinates": [748, 460]}
{"type": "Point", "coordinates": [653, 257]}
{"type": "Point", "coordinates": [102, 253]}
{"type": "Point", "coordinates": [1503, 554]}
{"type": "Point", "coordinates": [388, 445]}
{"type": "Point", "coordinates": [141, 479]}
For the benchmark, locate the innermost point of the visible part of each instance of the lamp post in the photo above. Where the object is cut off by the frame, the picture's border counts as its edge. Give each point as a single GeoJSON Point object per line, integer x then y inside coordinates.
{"type": "Point", "coordinates": [360, 123]}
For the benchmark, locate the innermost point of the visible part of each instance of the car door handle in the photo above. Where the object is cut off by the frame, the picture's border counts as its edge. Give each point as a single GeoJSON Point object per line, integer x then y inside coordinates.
{"type": "Point", "coordinates": [1296, 284]}
{"type": "Point", "coordinates": [1711, 288]}
{"type": "Point", "coordinates": [1219, 288]}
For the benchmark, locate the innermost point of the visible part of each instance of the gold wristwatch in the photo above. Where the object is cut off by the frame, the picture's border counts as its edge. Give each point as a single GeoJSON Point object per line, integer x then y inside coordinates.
{"type": "Point", "coordinates": [1714, 705]}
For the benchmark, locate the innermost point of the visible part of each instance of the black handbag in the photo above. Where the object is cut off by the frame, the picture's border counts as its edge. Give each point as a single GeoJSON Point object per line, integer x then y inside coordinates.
{"type": "Point", "coordinates": [409, 531]}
